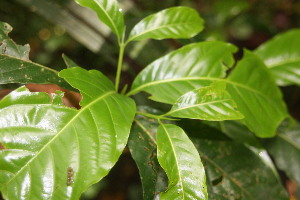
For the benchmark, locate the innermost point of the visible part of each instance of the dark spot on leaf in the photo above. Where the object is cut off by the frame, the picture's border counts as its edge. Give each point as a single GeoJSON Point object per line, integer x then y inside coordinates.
{"type": "Point", "coordinates": [1, 146]}
{"type": "Point", "coordinates": [70, 176]}
{"type": "Point", "coordinates": [217, 181]}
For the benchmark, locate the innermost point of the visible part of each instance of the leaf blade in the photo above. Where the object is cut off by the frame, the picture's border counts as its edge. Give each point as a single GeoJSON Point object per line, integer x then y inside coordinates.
{"type": "Point", "coordinates": [183, 167]}
{"type": "Point", "coordinates": [176, 22]}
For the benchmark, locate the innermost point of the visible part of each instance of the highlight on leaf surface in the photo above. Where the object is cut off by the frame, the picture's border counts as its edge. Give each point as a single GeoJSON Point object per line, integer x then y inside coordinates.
{"type": "Point", "coordinates": [212, 103]}
{"type": "Point", "coordinates": [67, 150]}
{"type": "Point", "coordinates": [175, 22]}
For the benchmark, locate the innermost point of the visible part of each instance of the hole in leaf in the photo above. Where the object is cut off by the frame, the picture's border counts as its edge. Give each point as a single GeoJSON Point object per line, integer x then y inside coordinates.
{"type": "Point", "coordinates": [217, 181]}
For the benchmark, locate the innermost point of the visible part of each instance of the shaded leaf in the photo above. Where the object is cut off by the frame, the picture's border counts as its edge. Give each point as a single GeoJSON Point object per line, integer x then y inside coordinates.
{"type": "Point", "coordinates": [285, 148]}
{"type": "Point", "coordinates": [142, 145]}
{"type": "Point", "coordinates": [258, 98]}
{"type": "Point", "coordinates": [180, 159]}
{"type": "Point", "coordinates": [8, 46]}
{"type": "Point", "coordinates": [69, 62]}
{"type": "Point", "coordinates": [54, 152]}
{"type": "Point", "coordinates": [109, 12]}
{"type": "Point", "coordinates": [175, 22]}
{"type": "Point", "coordinates": [183, 70]}
{"type": "Point", "coordinates": [282, 55]}
{"type": "Point", "coordinates": [207, 103]}
{"type": "Point", "coordinates": [235, 172]}
{"type": "Point", "coordinates": [15, 66]}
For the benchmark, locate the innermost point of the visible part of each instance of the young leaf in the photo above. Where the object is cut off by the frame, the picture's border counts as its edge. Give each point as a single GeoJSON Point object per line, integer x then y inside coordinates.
{"type": "Point", "coordinates": [109, 12]}
{"type": "Point", "coordinates": [180, 159]}
{"type": "Point", "coordinates": [285, 149]}
{"type": "Point", "coordinates": [236, 172]}
{"type": "Point", "coordinates": [183, 70]}
{"type": "Point", "coordinates": [15, 66]}
{"type": "Point", "coordinates": [252, 87]}
{"type": "Point", "coordinates": [282, 59]}
{"type": "Point", "coordinates": [207, 103]}
{"type": "Point", "coordinates": [176, 22]}
{"type": "Point", "coordinates": [142, 145]}
{"type": "Point", "coordinates": [59, 152]}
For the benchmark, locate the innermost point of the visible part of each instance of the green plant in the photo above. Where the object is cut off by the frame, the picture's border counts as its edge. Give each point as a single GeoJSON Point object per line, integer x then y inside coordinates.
{"type": "Point", "coordinates": [50, 151]}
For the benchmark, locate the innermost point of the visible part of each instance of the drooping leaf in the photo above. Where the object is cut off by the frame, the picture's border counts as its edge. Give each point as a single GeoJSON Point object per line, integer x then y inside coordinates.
{"type": "Point", "coordinates": [285, 148]}
{"type": "Point", "coordinates": [109, 12]}
{"type": "Point", "coordinates": [282, 55]}
{"type": "Point", "coordinates": [207, 103]}
{"type": "Point", "coordinates": [142, 145]}
{"type": "Point", "coordinates": [23, 96]}
{"type": "Point", "coordinates": [253, 88]}
{"type": "Point", "coordinates": [15, 66]}
{"type": "Point", "coordinates": [235, 172]}
{"type": "Point", "coordinates": [183, 70]}
{"type": "Point", "coordinates": [180, 159]}
{"type": "Point", "coordinates": [175, 22]}
{"type": "Point", "coordinates": [53, 152]}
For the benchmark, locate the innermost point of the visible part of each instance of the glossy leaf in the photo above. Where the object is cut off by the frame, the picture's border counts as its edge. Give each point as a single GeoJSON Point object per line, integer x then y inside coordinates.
{"type": "Point", "coordinates": [109, 12]}
{"type": "Point", "coordinates": [285, 149]}
{"type": "Point", "coordinates": [23, 96]}
{"type": "Point", "coordinates": [258, 98]}
{"type": "Point", "coordinates": [282, 55]}
{"type": "Point", "coordinates": [180, 159]}
{"type": "Point", "coordinates": [53, 152]}
{"type": "Point", "coordinates": [207, 103]}
{"type": "Point", "coordinates": [142, 145]}
{"type": "Point", "coordinates": [183, 70]}
{"type": "Point", "coordinates": [175, 22]}
{"type": "Point", "coordinates": [15, 66]}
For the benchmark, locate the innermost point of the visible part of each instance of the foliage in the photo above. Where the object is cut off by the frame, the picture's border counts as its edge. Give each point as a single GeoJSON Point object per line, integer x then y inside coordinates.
{"type": "Point", "coordinates": [51, 151]}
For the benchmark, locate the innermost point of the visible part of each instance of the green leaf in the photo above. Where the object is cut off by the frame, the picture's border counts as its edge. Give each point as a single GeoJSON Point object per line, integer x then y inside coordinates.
{"type": "Point", "coordinates": [207, 103]}
{"type": "Point", "coordinates": [109, 12]}
{"type": "Point", "coordinates": [15, 66]}
{"type": "Point", "coordinates": [142, 145]}
{"type": "Point", "coordinates": [8, 46]}
{"type": "Point", "coordinates": [175, 22]}
{"type": "Point", "coordinates": [180, 159]}
{"type": "Point", "coordinates": [285, 149]}
{"type": "Point", "coordinates": [236, 172]}
{"type": "Point", "coordinates": [183, 70]}
{"type": "Point", "coordinates": [69, 62]}
{"type": "Point", "coordinates": [23, 96]}
{"type": "Point", "coordinates": [252, 87]}
{"type": "Point", "coordinates": [54, 152]}
{"type": "Point", "coordinates": [282, 55]}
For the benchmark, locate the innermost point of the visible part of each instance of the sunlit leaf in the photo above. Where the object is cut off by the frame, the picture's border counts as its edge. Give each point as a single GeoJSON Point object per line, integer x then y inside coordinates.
{"type": "Point", "coordinates": [180, 159]}
{"type": "Point", "coordinates": [207, 103]}
{"type": "Point", "coordinates": [253, 88]}
{"type": "Point", "coordinates": [282, 55]}
{"type": "Point", "coordinates": [175, 22]}
{"type": "Point", "coordinates": [109, 12]}
{"type": "Point", "coordinates": [183, 70]}
{"type": "Point", "coordinates": [53, 152]}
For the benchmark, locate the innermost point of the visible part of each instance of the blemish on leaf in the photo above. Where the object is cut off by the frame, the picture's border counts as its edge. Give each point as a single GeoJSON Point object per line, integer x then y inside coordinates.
{"type": "Point", "coordinates": [70, 179]}
{"type": "Point", "coordinates": [1, 146]}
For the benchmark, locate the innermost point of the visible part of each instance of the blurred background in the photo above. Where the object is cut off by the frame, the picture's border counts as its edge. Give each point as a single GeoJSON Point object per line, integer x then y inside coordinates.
{"type": "Point", "coordinates": [54, 27]}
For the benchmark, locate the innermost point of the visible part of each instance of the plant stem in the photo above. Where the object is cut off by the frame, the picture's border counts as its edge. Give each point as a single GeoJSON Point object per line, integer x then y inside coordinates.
{"type": "Point", "coordinates": [120, 63]}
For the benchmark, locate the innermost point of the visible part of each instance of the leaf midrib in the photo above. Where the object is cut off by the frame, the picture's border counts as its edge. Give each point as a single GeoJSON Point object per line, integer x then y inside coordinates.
{"type": "Point", "coordinates": [60, 132]}
{"type": "Point", "coordinates": [177, 166]}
